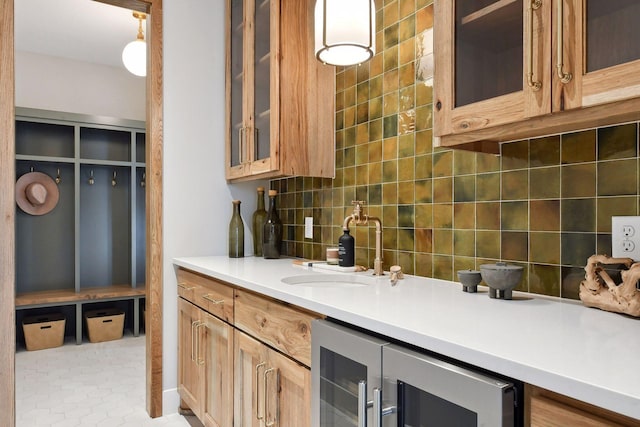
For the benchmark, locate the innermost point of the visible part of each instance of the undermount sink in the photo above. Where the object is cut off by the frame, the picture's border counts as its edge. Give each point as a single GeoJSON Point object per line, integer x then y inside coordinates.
{"type": "Point", "coordinates": [329, 280]}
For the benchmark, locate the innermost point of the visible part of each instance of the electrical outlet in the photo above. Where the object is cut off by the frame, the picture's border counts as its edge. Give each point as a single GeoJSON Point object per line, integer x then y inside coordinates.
{"type": "Point", "coordinates": [625, 237]}
{"type": "Point", "coordinates": [308, 227]}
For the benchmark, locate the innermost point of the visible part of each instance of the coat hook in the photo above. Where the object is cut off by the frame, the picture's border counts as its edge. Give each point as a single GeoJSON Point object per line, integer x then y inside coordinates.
{"type": "Point", "coordinates": [113, 180]}
{"type": "Point", "coordinates": [144, 178]}
{"type": "Point", "coordinates": [91, 180]}
{"type": "Point", "coordinates": [58, 178]}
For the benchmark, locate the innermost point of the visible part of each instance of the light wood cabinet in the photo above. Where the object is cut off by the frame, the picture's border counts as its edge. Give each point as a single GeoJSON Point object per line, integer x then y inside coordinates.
{"type": "Point", "coordinates": [512, 69]}
{"type": "Point", "coordinates": [270, 389]}
{"type": "Point", "coordinates": [244, 360]}
{"type": "Point", "coordinates": [547, 409]}
{"type": "Point", "coordinates": [280, 99]}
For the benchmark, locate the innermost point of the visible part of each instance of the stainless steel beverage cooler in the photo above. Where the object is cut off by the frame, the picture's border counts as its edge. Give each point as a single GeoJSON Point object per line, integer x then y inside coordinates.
{"type": "Point", "coordinates": [359, 380]}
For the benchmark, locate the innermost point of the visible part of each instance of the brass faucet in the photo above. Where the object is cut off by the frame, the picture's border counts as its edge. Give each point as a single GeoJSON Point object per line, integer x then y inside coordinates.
{"type": "Point", "coordinates": [360, 218]}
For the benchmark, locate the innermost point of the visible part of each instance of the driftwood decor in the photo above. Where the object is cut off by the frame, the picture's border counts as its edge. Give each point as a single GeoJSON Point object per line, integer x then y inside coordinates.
{"type": "Point", "coordinates": [599, 290]}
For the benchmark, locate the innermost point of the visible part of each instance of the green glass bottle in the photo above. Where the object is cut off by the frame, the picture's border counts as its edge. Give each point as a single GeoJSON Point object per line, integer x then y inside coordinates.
{"type": "Point", "coordinates": [259, 218]}
{"type": "Point", "coordinates": [272, 239]}
{"type": "Point", "coordinates": [236, 232]}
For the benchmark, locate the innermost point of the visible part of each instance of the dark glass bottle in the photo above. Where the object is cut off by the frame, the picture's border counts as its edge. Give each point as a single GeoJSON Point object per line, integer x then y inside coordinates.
{"type": "Point", "coordinates": [272, 238]}
{"type": "Point", "coordinates": [236, 232]}
{"type": "Point", "coordinates": [346, 249]}
{"type": "Point", "coordinates": [259, 218]}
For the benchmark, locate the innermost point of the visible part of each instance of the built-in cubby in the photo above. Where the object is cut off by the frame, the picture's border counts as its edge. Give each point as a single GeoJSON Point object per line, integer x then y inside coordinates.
{"type": "Point", "coordinates": [90, 249]}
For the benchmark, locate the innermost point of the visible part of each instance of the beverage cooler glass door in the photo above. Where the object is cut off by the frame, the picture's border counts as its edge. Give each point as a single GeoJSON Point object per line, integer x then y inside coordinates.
{"type": "Point", "coordinates": [346, 367]}
{"type": "Point", "coordinates": [420, 391]}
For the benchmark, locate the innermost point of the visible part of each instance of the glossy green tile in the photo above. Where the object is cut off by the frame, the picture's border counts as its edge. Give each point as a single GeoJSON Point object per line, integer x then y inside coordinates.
{"type": "Point", "coordinates": [390, 148]}
{"type": "Point", "coordinates": [407, 7]}
{"type": "Point", "coordinates": [464, 243]}
{"type": "Point", "coordinates": [390, 216]}
{"type": "Point", "coordinates": [514, 246]}
{"type": "Point", "coordinates": [515, 155]}
{"type": "Point", "coordinates": [362, 113]}
{"type": "Point", "coordinates": [442, 190]}
{"type": "Point", "coordinates": [390, 171]}
{"type": "Point", "coordinates": [406, 169]}
{"type": "Point", "coordinates": [571, 279]}
{"type": "Point", "coordinates": [424, 166]}
{"type": "Point", "coordinates": [424, 117]}
{"type": "Point", "coordinates": [488, 215]}
{"type": "Point", "coordinates": [576, 248]}
{"type": "Point", "coordinates": [406, 216]}
{"type": "Point", "coordinates": [464, 215]}
{"type": "Point", "coordinates": [423, 240]}
{"type": "Point", "coordinates": [424, 18]}
{"type": "Point", "coordinates": [488, 244]}
{"type": "Point", "coordinates": [544, 247]}
{"type": "Point", "coordinates": [578, 215]}
{"type": "Point", "coordinates": [424, 67]}
{"type": "Point", "coordinates": [390, 126]}
{"type": "Point", "coordinates": [488, 186]}
{"type": "Point", "coordinates": [407, 259]}
{"type": "Point", "coordinates": [443, 164]}
{"type": "Point", "coordinates": [406, 192]}
{"type": "Point", "coordinates": [487, 162]}
{"type": "Point", "coordinates": [579, 147]}
{"type": "Point", "coordinates": [390, 87]}
{"type": "Point", "coordinates": [603, 243]}
{"type": "Point", "coordinates": [545, 215]}
{"type": "Point", "coordinates": [362, 92]}
{"type": "Point", "coordinates": [464, 188]}
{"type": "Point", "coordinates": [391, 59]}
{"type": "Point", "coordinates": [462, 263]}
{"type": "Point", "coordinates": [362, 72]}
{"type": "Point", "coordinates": [406, 75]}
{"type": "Point", "coordinates": [443, 242]}
{"type": "Point", "coordinates": [362, 154]}
{"type": "Point", "coordinates": [406, 122]}
{"type": "Point", "coordinates": [614, 206]}
{"type": "Point", "coordinates": [618, 142]}
{"type": "Point", "coordinates": [406, 50]}
{"type": "Point", "coordinates": [618, 177]}
{"type": "Point", "coordinates": [375, 108]}
{"type": "Point", "coordinates": [515, 215]}
{"type": "Point", "coordinates": [390, 12]}
{"type": "Point", "coordinates": [544, 151]}
{"type": "Point", "coordinates": [350, 137]}
{"type": "Point", "coordinates": [545, 280]}
{"type": "Point", "coordinates": [405, 239]}
{"type": "Point", "coordinates": [391, 36]}
{"type": "Point", "coordinates": [464, 162]}
{"type": "Point", "coordinates": [443, 267]}
{"type": "Point", "coordinates": [424, 93]}
{"type": "Point", "coordinates": [424, 265]}
{"type": "Point", "coordinates": [515, 185]}
{"type": "Point", "coordinates": [375, 130]}
{"type": "Point", "coordinates": [375, 172]}
{"type": "Point", "coordinates": [390, 193]}
{"type": "Point", "coordinates": [349, 97]}
{"type": "Point", "coordinates": [349, 176]}
{"type": "Point", "coordinates": [406, 146]}
{"type": "Point", "coordinates": [362, 133]}
{"type": "Point", "coordinates": [406, 100]}
{"type": "Point", "coordinates": [362, 176]}
{"type": "Point", "coordinates": [442, 215]}
{"type": "Point", "coordinates": [544, 183]}
{"type": "Point", "coordinates": [579, 180]}
{"type": "Point", "coordinates": [424, 215]}
{"type": "Point", "coordinates": [349, 156]}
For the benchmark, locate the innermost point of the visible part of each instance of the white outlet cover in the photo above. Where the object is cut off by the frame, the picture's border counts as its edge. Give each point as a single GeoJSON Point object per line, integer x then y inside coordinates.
{"type": "Point", "coordinates": [308, 227]}
{"type": "Point", "coordinates": [625, 237]}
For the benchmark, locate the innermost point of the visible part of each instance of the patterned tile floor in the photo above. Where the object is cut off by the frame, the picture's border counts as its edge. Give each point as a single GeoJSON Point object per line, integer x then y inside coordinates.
{"type": "Point", "coordinates": [101, 384]}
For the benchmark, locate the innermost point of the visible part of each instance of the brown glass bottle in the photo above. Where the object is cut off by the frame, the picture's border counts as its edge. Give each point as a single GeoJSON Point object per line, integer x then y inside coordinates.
{"type": "Point", "coordinates": [272, 238]}
{"type": "Point", "coordinates": [258, 220]}
{"type": "Point", "coordinates": [236, 232]}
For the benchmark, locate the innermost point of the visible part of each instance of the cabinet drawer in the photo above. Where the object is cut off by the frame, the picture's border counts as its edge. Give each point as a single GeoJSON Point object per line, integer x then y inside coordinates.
{"type": "Point", "coordinates": [273, 322]}
{"type": "Point", "coordinates": [208, 294]}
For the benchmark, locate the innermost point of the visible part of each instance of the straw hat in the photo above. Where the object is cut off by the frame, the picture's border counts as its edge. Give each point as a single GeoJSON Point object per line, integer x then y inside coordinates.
{"type": "Point", "coordinates": [36, 193]}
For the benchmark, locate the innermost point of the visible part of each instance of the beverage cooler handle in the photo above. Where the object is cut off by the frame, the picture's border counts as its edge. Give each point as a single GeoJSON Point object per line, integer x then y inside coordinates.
{"type": "Point", "coordinates": [363, 404]}
{"type": "Point", "coordinates": [378, 410]}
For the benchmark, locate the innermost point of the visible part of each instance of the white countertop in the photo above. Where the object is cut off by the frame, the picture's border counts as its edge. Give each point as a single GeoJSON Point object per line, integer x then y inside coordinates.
{"type": "Point", "coordinates": [560, 345]}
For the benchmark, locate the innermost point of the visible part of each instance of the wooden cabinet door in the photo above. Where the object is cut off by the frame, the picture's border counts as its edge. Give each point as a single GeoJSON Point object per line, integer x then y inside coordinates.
{"type": "Point", "coordinates": [492, 63]}
{"type": "Point", "coordinates": [288, 392]}
{"type": "Point", "coordinates": [249, 370]}
{"type": "Point", "coordinates": [188, 370]}
{"type": "Point", "coordinates": [600, 50]}
{"type": "Point", "coordinates": [216, 360]}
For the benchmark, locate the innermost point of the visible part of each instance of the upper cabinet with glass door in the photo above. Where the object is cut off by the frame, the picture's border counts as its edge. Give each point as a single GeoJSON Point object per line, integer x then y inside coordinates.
{"type": "Point", "coordinates": [511, 69]}
{"type": "Point", "coordinates": [280, 99]}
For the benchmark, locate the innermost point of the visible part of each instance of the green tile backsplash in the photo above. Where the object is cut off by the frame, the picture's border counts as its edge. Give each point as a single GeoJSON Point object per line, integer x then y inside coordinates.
{"type": "Point", "coordinates": [545, 203]}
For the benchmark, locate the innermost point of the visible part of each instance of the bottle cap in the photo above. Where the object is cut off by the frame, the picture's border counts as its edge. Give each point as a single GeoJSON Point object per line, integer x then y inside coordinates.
{"type": "Point", "coordinates": [236, 202]}
{"type": "Point", "coordinates": [273, 193]}
{"type": "Point", "coordinates": [261, 189]}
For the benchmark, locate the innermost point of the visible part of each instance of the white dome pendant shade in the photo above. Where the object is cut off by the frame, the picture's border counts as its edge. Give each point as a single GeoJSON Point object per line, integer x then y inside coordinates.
{"type": "Point", "coordinates": [345, 31]}
{"type": "Point", "coordinates": [134, 54]}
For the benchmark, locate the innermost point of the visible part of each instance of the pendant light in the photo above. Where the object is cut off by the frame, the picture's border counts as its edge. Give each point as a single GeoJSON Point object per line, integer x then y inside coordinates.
{"type": "Point", "coordinates": [134, 54]}
{"type": "Point", "coordinates": [345, 31]}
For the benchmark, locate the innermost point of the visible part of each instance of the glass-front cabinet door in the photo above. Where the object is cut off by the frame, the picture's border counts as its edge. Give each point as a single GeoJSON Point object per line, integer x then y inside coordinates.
{"type": "Point", "coordinates": [490, 57]}
{"type": "Point", "coordinates": [599, 52]}
{"type": "Point", "coordinates": [252, 86]}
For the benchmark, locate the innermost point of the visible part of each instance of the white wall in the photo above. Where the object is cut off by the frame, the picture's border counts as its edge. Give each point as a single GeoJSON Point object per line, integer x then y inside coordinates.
{"type": "Point", "coordinates": [197, 199]}
{"type": "Point", "coordinates": [52, 83]}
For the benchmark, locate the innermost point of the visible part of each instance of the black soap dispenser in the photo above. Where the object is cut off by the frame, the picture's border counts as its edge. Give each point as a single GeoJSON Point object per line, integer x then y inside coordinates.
{"type": "Point", "coordinates": [346, 249]}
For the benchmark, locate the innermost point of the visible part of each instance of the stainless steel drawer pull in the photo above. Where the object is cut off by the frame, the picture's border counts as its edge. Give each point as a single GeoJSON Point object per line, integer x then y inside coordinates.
{"type": "Point", "coordinates": [363, 404]}
{"type": "Point", "coordinates": [378, 410]}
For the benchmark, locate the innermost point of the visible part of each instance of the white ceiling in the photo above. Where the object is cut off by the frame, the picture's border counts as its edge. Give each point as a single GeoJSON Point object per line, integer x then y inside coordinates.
{"type": "Point", "coordinates": [83, 30]}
